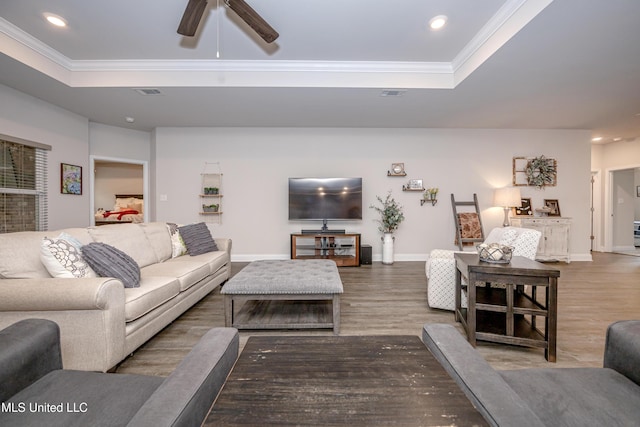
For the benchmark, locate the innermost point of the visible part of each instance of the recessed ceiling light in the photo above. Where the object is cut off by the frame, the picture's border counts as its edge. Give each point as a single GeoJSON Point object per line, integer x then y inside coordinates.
{"type": "Point", "coordinates": [596, 139]}
{"type": "Point", "coordinates": [56, 20]}
{"type": "Point", "coordinates": [129, 119]}
{"type": "Point", "coordinates": [437, 22]}
{"type": "Point", "coordinates": [617, 139]}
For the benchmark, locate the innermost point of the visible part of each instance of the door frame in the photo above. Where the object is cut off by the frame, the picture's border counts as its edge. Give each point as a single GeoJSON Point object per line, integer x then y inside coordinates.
{"type": "Point", "coordinates": [596, 211]}
{"type": "Point", "coordinates": [92, 181]}
{"type": "Point", "coordinates": [608, 205]}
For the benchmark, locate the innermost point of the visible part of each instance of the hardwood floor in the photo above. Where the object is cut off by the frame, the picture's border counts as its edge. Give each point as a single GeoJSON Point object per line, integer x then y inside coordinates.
{"type": "Point", "coordinates": [391, 300]}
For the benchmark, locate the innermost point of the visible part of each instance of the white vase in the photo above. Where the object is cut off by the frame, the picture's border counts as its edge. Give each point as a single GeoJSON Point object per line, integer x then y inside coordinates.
{"type": "Point", "coordinates": [387, 248]}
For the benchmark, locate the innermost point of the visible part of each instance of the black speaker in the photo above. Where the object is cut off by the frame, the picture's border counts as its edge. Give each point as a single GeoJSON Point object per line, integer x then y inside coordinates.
{"type": "Point", "coordinates": [365, 254]}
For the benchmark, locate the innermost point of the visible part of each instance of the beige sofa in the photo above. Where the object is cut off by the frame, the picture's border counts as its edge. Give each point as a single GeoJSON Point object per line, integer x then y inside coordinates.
{"type": "Point", "coordinates": [101, 322]}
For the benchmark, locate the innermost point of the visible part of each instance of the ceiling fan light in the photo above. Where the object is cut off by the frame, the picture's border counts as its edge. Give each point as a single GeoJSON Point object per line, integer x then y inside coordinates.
{"type": "Point", "coordinates": [56, 20]}
{"type": "Point", "coordinates": [437, 22]}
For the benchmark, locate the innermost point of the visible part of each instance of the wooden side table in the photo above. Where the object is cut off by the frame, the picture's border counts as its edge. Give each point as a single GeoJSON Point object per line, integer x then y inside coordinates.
{"type": "Point", "coordinates": [508, 315]}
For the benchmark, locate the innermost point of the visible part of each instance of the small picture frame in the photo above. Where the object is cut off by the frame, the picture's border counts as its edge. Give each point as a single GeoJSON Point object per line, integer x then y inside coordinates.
{"type": "Point", "coordinates": [415, 184]}
{"type": "Point", "coordinates": [525, 207]}
{"type": "Point", "coordinates": [397, 169]}
{"type": "Point", "coordinates": [70, 179]}
{"type": "Point", "coordinates": [638, 191]}
{"type": "Point", "coordinates": [553, 205]}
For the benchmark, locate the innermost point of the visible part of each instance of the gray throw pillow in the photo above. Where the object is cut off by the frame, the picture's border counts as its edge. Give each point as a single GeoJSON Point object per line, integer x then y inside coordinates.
{"type": "Point", "coordinates": [197, 238]}
{"type": "Point", "coordinates": [108, 261]}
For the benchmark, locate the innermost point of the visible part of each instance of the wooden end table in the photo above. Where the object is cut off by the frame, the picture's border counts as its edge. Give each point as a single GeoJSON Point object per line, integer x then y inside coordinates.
{"type": "Point", "coordinates": [508, 315]}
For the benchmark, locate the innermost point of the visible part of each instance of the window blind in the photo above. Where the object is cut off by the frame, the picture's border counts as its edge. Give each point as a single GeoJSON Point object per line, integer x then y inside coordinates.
{"type": "Point", "coordinates": [23, 188]}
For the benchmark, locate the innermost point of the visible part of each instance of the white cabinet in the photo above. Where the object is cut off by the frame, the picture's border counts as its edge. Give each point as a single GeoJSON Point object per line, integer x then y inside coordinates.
{"type": "Point", "coordinates": [554, 243]}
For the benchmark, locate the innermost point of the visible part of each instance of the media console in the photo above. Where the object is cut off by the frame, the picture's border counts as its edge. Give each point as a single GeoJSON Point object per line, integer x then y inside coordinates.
{"type": "Point", "coordinates": [343, 248]}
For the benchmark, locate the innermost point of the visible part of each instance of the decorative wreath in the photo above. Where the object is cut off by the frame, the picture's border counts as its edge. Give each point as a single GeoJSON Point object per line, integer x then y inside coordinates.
{"type": "Point", "coordinates": [541, 171]}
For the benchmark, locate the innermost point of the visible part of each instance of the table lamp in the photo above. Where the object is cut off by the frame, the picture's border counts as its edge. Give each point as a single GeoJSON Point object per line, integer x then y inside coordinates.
{"type": "Point", "coordinates": [507, 198]}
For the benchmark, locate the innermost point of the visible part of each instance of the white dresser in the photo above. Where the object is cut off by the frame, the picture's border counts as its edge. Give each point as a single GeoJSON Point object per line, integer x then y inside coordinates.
{"type": "Point", "coordinates": [554, 243]}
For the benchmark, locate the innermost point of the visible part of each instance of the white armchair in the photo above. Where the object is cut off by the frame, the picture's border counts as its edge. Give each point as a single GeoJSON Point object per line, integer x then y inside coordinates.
{"type": "Point", "coordinates": [441, 266]}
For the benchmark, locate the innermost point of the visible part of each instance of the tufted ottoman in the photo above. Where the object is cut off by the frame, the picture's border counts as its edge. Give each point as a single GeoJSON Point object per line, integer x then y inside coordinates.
{"type": "Point", "coordinates": [290, 282]}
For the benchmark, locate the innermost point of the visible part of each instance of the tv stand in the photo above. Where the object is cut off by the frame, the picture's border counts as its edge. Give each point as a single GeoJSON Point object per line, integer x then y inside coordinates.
{"type": "Point", "coordinates": [323, 231]}
{"type": "Point", "coordinates": [343, 248]}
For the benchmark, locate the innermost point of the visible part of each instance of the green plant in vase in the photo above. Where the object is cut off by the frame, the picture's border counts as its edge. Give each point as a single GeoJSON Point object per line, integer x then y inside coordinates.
{"type": "Point", "coordinates": [431, 193]}
{"type": "Point", "coordinates": [390, 213]}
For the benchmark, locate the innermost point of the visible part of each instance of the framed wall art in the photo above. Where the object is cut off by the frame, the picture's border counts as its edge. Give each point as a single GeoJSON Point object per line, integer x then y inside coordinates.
{"type": "Point", "coordinates": [70, 179]}
{"type": "Point", "coordinates": [534, 171]}
{"type": "Point", "coordinates": [553, 205]}
{"type": "Point", "coordinates": [397, 169]}
{"type": "Point", "coordinates": [525, 208]}
{"type": "Point", "coordinates": [413, 185]}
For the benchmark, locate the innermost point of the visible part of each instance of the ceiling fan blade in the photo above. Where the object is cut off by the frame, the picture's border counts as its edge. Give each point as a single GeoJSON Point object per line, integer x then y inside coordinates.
{"type": "Point", "coordinates": [255, 21]}
{"type": "Point", "coordinates": [191, 18]}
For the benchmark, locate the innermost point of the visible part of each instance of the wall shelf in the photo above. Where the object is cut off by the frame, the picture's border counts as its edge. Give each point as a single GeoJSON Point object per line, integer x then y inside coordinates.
{"type": "Point", "coordinates": [211, 192]}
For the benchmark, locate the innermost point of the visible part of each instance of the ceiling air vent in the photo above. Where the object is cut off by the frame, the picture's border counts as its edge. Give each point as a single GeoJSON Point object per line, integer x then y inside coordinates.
{"type": "Point", "coordinates": [147, 91]}
{"type": "Point", "coordinates": [393, 92]}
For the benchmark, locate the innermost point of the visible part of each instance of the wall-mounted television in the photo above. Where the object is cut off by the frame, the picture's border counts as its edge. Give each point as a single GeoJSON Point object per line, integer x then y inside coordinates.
{"type": "Point", "coordinates": [325, 199]}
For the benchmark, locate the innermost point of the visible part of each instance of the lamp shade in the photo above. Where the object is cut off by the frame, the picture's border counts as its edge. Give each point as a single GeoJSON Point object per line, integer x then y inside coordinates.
{"type": "Point", "coordinates": [507, 197]}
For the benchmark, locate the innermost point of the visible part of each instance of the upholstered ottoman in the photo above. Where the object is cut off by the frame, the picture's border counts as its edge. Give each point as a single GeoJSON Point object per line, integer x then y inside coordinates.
{"type": "Point", "coordinates": [299, 285]}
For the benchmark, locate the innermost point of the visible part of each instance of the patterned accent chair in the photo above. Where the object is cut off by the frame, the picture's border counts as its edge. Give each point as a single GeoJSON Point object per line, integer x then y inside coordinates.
{"type": "Point", "coordinates": [441, 266]}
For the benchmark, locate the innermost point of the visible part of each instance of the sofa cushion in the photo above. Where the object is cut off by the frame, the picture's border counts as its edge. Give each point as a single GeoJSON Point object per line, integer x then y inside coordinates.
{"type": "Point", "coordinates": [108, 261]}
{"type": "Point", "coordinates": [78, 234]}
{"type": "Point", "coordinates": [577, 396]}
{"type": "Point", "coordinates": [129, 238]}
{"type": "Point", "coordinates": [197, 238]}
{"type": "Point", "coordinates": [159, 238]}
{"type": "Point", "coordinates": [187, 270]}
{"type": "Point", "coordinates": [20, 255]}
{"type": "Point", "coordinates": [152, 293]}
{"type": "Point", "coordinates": [62, 258]}
{"type": "Point", "coordinates": [215, 260]}
{"type": "Point", "coordinates": [83, 399]}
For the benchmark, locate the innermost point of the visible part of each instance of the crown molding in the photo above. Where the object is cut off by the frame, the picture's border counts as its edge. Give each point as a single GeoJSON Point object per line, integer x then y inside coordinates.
{"type": "Point", "coordinates": [509, 19]}
{"type": "Point", "coordinates": [513, 16]}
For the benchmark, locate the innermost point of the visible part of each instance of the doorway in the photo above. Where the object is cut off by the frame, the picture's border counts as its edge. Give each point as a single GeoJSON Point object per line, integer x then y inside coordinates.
{"type": "Point", "coordinates": [111, 176]}
{"type": "Point", "coordinates": [622, 210]}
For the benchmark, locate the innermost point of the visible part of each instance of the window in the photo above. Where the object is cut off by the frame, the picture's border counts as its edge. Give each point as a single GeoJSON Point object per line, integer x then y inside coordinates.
{"type": "Point", "coordinates": [23, 186]}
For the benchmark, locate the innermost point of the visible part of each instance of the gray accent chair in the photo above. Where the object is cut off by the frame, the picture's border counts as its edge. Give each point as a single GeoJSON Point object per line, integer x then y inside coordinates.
{"type": "Point", "coordinates": [607, 396]}
{"type": "Point", "coordinates": [36, 391]}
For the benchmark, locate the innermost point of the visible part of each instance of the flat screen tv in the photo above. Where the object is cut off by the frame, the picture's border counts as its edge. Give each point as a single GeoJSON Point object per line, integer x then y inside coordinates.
{"type": "Point", "coordinates": [325, 199]}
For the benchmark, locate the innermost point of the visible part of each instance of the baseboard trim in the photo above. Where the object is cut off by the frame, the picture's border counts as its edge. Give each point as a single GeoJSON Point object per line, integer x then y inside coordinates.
{"type": "Point", "coordinates": [376, 257]}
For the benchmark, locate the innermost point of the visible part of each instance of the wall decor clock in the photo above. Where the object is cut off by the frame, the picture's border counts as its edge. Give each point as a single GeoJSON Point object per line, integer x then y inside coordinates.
{"type": "Point", "coordinates": [397, 169]}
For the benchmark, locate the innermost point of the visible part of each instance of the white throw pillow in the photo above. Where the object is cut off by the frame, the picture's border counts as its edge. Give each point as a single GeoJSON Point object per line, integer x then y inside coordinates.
{"type": "Point", "coordinates": [509, 236]}
{"type": "Point", "coordinates": [61, 259]}
{"type": "Point", "coordinates": [178, 248]}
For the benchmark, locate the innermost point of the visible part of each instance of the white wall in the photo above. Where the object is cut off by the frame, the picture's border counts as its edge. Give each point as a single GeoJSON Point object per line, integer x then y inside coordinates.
{"type": "Point", "coordinates": [256, 163]}
{"type": "Point", "coordinates": [112, 141]}
{"type": "Point", "coordinates": [26, 117]}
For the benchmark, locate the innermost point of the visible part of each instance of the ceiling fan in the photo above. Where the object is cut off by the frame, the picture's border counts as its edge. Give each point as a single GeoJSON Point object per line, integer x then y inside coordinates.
{"type": "Point", "coordinates": [195, 9]}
